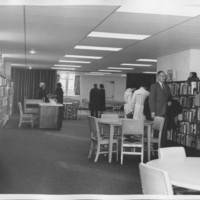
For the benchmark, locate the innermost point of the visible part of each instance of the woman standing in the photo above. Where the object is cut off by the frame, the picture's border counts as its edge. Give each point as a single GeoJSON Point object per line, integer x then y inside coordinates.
{"type": "Point", "coordinates": [138, 100]}
{"type": "Point", "coordinates": [128, 109]}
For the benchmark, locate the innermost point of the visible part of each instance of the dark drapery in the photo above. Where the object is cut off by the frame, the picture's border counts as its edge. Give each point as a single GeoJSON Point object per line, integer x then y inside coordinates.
{"type": "Point", "coordinates": [136, 80]}
{"type": "Point", "coordinates": [26, 83]}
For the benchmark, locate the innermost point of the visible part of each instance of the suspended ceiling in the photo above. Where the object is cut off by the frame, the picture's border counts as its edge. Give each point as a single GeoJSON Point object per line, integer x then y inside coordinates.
{"type": "Point", "coordinates": [54, 30]}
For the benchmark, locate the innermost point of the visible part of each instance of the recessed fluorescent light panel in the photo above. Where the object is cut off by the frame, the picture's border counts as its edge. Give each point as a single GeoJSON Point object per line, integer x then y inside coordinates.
{"type": "Point", "coordinates": [74, 61]}
{"type": "Point", "coordinates": [164, 7]}
{"type": "Point", "coordinates": [109, 70]}
{"type": "Point", "coordinates": [32, 51]}
{"type": "Point", "coordinates": [146, 60]}
{"type": "Point", "coordinates": [97, 48]}
{"type": "Point", "coordinates": [121, 68]}
{"type": "Point", "coordinates": [60, 65]}
{"type": "Point", "coordinates": [149, 72]}
{"type": "Point", "coordinates": [62, 68]}
{"type": "Point", "coordinates": [85, 57]}
{"type": "Point", "coordinates": [135, 64]}
{"type": "Point", "coordinates": [95, 74]}
{"type": "Point", "coordinates": [118, 35]}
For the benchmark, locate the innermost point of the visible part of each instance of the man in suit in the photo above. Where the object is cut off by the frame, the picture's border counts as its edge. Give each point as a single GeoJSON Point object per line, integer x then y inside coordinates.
{"type": "Point", "coordinates": [159, 100]}
{"type": "Point", "coordinates": [94, 101]}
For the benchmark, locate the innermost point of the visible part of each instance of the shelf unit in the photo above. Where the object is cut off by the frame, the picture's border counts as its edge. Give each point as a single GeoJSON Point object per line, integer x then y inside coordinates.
{"type": "Point", "coordinates": [188, 131]}
{"type": "Point", "coordinates": [6, 95]}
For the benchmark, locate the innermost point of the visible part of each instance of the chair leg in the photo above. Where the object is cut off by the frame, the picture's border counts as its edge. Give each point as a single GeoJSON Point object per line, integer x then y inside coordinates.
{"type": "Point", "coordinates": [32, 123]}
{"type": "Point", "coordinates": [117, 151]}
{"type": "Point", "coordinates": [91, 148]}
{"type": "Point", "coordinates": [121, 155]}
{"type": "Point", "coordinates": [97, 153]}
{"type": "Point", "coordinates": [20, 123]}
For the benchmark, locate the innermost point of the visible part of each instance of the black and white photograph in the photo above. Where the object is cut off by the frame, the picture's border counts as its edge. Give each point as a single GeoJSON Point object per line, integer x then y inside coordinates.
{"type": "Point", "coordinates": [99, 99]}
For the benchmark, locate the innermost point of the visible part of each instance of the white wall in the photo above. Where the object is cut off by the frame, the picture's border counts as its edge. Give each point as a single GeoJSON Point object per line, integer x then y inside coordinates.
{"type": "Point", "coordinates": [195, 61]}
{"type": "Point", "coordinates": [87, 82]}
{"type": "Point", "coordinates": [180, 62]}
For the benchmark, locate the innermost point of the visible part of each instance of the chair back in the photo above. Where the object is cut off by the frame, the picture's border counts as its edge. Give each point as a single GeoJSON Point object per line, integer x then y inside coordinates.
{"type": "Point", "coordinates": [171, 152]}
{"type": "Point", "coordinates": [132, 127]}
{"type": "Point", "coordinates": [109, 115]}
{"type": "Point", "coordinates": [155, 181]}
{"type": "Point", "coordinates": [94, 128]}
{"type": "Point", "coordinates": [20, 108]}
{"type": "Point", "coordinates": [157, 127]}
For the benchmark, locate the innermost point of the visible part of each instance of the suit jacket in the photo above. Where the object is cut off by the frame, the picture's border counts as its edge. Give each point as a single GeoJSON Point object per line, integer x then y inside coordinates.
{"type": "Point", "coordinates": [158, 99]}
{"type": "Point", "coordinates": [94, 98]}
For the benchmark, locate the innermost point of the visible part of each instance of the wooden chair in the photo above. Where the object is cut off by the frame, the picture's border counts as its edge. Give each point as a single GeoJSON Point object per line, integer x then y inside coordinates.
{"type": "Point", "coordinates": [156, 133]}
{"type": "Point", "coordinates": [171, 153]}
{"type": "Point", "coordinates": [176, 153]}
{"type": "Point", "coordinates": [97, 142]}
{"type": "Point", "coordinates": [155, 181]}
{"type": "Point", "coordinates": [25, 118]}
{"type": "Point", "coordinates": [130, 145]}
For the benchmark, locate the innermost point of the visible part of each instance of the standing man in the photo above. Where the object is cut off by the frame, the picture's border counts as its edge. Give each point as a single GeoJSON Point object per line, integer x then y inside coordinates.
{"type": "Point", "coordinates": [94, 101]}
{"type": "Point", "coordinates": [102, 99]}
{"type": "Point", "coordinates": [159, 100]}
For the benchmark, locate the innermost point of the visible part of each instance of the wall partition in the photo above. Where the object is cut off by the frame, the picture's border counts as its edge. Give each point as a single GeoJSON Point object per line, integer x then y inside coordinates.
{"type": "Point", "coordinates": [136, 80]}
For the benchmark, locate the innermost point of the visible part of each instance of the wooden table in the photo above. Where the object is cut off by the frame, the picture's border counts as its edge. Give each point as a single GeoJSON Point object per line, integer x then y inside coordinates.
{"type": "Point", "coordinates": [118, 123]}
{"type": "Point", "coordinates": [183, 172]}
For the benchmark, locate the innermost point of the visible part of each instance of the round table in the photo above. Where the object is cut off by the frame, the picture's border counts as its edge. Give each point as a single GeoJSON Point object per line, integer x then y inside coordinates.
{"type": "Point", "coordinates": [183, 172]}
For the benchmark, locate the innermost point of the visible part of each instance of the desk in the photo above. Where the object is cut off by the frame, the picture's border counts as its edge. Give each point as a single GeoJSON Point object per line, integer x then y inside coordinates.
{"type": "Point", "coordinates": [50, 116]}
{"type": "Point", "coordinates": [31, 105]}
{"type": "Point", "coordinates": [183, 172]}
{"type": "Point", "coordinates": [118, 123]}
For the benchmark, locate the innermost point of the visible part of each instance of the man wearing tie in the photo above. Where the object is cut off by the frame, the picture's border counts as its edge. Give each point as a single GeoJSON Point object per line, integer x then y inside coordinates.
{"type": "Point", "coordinates": [159, 99]}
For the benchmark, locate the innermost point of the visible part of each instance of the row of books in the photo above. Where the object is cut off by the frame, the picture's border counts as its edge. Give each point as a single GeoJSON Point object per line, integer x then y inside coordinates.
{"type": "Point", "coordinates": [6, 91]}
{"type": "Point", "coordinates": [197, 99]}
{"type": "Point", "coordinates": [2, 81]}
{"type": "Point", "coordinates": [187, 102]}
{"type": "Point", "coordinates": [186, 140]}
{"type": "Point", "coordinates": [183, 88]}
{"type": "Point", "coordinates": [3, 101]}
{"type": "Point", "coordinates": [188, 115]}
{"type": "Point", "coordinates": [188, 128]}
{"type": "Point", "coordinates": [198, 115]}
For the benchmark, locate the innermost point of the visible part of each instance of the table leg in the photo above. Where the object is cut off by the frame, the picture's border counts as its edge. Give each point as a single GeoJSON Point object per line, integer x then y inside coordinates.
{"type": "Point", "coordinates": [111, 143]}
{"type": "Point", "coordinates": [149, 142]}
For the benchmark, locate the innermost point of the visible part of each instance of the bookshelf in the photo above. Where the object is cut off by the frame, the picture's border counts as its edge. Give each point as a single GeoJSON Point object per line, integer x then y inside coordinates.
{"type": "Point", "coordinates": [6, 95]}
{"type": "Point", "coordinates": [188, 130]}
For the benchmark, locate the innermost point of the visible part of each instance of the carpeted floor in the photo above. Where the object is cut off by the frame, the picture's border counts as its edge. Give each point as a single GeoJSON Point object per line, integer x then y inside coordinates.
{"type": "Point", "coordinates": [34, 161]}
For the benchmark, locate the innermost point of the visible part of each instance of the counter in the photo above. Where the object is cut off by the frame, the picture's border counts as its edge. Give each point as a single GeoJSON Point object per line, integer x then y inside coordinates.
{"type": "Point", "coordinates": [50, 115]}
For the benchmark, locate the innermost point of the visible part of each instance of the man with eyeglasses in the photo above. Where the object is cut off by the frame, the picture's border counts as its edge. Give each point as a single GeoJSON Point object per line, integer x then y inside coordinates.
{"type": "Point", "coordinates": [159, 100]}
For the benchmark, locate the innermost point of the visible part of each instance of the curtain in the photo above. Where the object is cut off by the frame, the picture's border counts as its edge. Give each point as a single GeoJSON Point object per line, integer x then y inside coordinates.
{"type": "Point", "coordinates": [136, 80]}
{"type": "Point", "coordinates": [77, 85]}
{"type": "Point", "coordinates": [26, 83]}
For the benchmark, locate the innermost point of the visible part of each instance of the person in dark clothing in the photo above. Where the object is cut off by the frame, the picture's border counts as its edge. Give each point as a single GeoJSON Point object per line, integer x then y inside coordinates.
{"type": "Point", "coordinates": [42, 92]}
{"type": "Point", "coordinates": [94, 101]}
{"type": "Point", "coordinates": [102, 99]}
{"type": "Point", "coordinates": [59, 98]}
{"type": "Point", "coordinates": [146, 110]}
{"type": "Point", "coordinates": [159, 100]}
{"type": "Point", "coordinates": [193, 77]}
{"type": "Point", "coordinates": [59, 93]}
{"type": "Point", "coordinates": [172, 113]}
